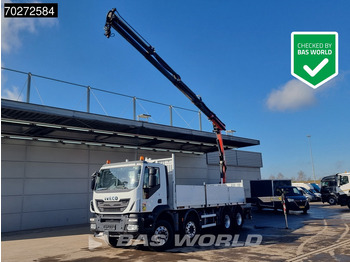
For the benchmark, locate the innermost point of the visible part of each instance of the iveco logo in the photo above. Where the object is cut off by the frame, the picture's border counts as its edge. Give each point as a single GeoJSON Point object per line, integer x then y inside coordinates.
{"type": "Point", "coordinates": [111, 198]}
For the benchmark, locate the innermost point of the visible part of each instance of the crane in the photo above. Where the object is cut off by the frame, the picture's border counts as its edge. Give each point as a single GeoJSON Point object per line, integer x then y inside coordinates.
{"type": "Point", "coordinates": [115, 21]}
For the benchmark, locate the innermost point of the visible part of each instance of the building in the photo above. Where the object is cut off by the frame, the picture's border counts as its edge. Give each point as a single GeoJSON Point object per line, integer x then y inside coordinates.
{"type": "Point", "coordinates": [49, 154]}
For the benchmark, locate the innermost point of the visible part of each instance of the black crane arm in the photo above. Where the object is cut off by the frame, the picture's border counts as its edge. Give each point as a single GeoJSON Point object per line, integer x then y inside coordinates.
{"type": "Point", "coordinates": [115, 21]}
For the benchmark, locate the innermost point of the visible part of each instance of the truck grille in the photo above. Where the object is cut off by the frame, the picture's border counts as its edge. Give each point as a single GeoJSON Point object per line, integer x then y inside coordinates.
{"type": "Point", "coordinates": [112, 206]}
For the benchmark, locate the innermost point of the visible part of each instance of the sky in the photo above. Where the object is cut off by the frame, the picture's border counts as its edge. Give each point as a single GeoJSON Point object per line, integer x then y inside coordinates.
{"type": "Point", "coordinates": [234, 54]}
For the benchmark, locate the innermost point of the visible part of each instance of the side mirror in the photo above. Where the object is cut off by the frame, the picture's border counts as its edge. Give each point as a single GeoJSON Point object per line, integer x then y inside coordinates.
{"type": "Point", "coordinates": [151, 171]}
{"type": "Point", "coordinates": [152, 180]}
{"type": "Point", "coordinates": [339, 181]}
{"type": "Point", "coordinates": [93, 179]}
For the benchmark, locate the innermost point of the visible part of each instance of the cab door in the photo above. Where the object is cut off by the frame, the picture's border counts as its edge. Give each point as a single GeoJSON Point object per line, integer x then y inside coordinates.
{"type": "Point", "coordinates": [344, 184]}
{"type": "Point", "coordinates": [154, 192]}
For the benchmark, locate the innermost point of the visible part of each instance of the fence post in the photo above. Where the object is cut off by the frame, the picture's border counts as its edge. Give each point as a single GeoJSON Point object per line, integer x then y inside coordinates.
{"type": "Point", "coordinates": [28, 86]}
{"type": "Point", "coordinates": [200, 120]}
{"type": "Point", "coordinates": [171, 115]}
{"type": "Point", "coordinates": [134, 106]}
{"type": "Point", "coordinates": [88, 99]}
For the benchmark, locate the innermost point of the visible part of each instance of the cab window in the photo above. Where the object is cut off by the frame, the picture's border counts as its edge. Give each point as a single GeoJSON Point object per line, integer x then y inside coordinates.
{"type": "Point", "coordinates": [344, 180]}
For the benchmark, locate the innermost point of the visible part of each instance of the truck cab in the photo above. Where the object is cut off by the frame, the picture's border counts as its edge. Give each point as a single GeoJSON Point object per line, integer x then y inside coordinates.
{"type": "Point", "coordinates": [123, 193]}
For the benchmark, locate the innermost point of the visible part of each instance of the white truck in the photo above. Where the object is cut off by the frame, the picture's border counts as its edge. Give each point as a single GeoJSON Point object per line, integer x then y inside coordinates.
{"type": "Point", "coordinates": [335, 189]}
{"type": "Point", "coordinates": [146, 197]}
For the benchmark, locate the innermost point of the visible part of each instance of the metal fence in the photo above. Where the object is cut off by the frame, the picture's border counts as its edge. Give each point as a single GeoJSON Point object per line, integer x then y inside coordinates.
{"type": "Point", "coordinates": [182, 115]}
{"type": "Point", "coordinates": [131, 104]}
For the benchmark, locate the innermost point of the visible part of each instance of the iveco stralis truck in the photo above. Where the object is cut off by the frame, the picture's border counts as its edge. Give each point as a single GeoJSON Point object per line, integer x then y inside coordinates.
{"type": "Point", "coordinates": [147, 198]}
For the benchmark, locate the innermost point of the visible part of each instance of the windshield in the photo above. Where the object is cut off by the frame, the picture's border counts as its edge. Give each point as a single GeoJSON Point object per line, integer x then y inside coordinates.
{"type": "Point", "coordinates": [292, 191]}
{"type": "Point", "coordinates": [118, 178]}
{"type": "Point", "coordinates": [306, 190]}
{"type": "Point", "coordinates": [316, 187]}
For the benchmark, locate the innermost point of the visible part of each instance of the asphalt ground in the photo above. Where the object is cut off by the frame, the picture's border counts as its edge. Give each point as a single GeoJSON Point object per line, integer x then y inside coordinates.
{"type": "Point", "coordinates": [320, 235]}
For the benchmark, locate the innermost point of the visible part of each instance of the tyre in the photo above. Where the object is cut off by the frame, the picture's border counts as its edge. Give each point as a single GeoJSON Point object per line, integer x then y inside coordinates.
{"type": "Point", "coordinates": [227, 223]}
{"type": "Point", "coordinates": [112, 241]}
{"type": "Point", "coordinates": [307, 207]}
{"type": "Point", "coordinates": [191, 227]}
{"type": "Point", "coordinates": [332, 201]}
{"type": "Point", "coordinates": [162, 237]}
{"type": "Point", "coordinates": [238, 219]}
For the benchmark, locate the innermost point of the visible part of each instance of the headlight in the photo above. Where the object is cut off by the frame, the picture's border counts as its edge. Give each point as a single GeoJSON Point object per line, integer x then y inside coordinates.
{"type": "Point", "coordinates": [93, 226]}
{"type": "Point", "coordinates": [132, 227]}
{"type": "Point", "coordinates": [133, 220]}
{"type": "Point", "coordinates": [290, 200]}
{"type": "Point", "coordinates": [92, 219]}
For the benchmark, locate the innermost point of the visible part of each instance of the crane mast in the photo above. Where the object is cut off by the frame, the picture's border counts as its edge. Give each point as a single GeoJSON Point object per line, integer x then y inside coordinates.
{"type": "Point", "coordinates": [115, 21]}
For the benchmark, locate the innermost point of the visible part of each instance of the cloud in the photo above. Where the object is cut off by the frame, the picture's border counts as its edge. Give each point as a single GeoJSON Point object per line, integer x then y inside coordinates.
{"type": "Point", "coordinates": [293, 95]}
{"type": "Point", "coordinates": [13, 94]}
{"type": "Point", "coordinates": [12, 29]}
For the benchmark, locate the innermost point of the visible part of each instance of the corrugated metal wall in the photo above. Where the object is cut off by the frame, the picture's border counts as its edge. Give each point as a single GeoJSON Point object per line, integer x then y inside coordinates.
{"type": "Point", "coordinates": [48, 184]}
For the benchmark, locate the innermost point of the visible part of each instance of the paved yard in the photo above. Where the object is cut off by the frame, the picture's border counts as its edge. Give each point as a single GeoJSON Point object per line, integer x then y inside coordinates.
{"type": "Point", "coordinates": [321, 235]}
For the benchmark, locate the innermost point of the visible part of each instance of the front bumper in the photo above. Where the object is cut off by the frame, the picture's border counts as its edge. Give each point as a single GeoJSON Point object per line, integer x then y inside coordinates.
{"type": "Point", "coordinates": [298, 205]}
{"type": "Point", "coordinates": [113, 225]}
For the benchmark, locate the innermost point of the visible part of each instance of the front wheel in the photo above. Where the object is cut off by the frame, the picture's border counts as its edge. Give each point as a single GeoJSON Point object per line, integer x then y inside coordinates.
{"type": "Point", "coordinates": [306, 208]}
{"type": "Point", "coordinates": [163, 236]}
{"type": "Point", "coordinates": [332, 201]}
{"type": "Point", "coordinates": [112, 241]}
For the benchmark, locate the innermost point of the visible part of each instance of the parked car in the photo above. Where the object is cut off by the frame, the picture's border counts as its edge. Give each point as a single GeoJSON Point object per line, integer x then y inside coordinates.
{"type": "Point", "coordinates": [312, 187]}
{"type": "Point", "coordinates": [267, 194]}
{"type": "Point", "coordinates": [308, 194]}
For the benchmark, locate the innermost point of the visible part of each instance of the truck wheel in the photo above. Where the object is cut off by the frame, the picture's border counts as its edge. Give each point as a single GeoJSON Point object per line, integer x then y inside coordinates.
{"type": "Point", "coordinates": [227, 221]}
{"type": "Point", "coordinates": [332, 201]}
{"type": "Point", "coordinates": [112, 241]}
{"type": "Point", "coordinates": [163, 236]}
{"type": "Point", "coordinates": [191, 227]}
{"type": "Point", "coordinates": [238, 219]}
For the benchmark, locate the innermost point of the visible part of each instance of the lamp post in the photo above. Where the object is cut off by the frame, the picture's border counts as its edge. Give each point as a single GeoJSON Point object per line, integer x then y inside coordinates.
{"type": "Point", "coordinates": [312, 160]}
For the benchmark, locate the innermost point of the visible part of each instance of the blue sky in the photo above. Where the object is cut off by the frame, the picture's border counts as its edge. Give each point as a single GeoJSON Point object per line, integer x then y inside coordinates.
{"type": "Point", "coordinates": [234, 54]}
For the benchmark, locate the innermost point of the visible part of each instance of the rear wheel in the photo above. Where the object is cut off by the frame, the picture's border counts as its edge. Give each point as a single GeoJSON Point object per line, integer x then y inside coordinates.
{"type": "Point", "coordinates": [227, 221]}
{"type": "Point", "coordinates": [191, 227]}
{"type": "Point", "coordinates": [238, 219]}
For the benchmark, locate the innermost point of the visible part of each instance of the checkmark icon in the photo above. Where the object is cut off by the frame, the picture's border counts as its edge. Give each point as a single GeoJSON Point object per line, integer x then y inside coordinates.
{"type": "Point", "coordinates": [318, 68]}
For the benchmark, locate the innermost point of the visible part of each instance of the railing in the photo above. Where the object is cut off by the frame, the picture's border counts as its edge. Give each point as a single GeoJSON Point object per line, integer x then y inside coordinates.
{"type": "Point", "coordinates": [93, 92]}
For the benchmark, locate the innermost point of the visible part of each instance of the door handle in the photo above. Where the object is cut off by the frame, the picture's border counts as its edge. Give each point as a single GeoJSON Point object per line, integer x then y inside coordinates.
{"type": "Point", "coordinates": [159, 201]}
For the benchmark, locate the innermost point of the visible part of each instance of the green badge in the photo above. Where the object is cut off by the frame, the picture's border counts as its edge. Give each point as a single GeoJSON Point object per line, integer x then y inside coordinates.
{"type": "Point", "coordinates": [314, 57]}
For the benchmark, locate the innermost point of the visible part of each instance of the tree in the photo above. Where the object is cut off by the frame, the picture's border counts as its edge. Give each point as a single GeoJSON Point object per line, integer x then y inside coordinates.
{"type": "Point", "coordinates": [301, 176]}
{"type": "Point", "coordinates": [280, 176]}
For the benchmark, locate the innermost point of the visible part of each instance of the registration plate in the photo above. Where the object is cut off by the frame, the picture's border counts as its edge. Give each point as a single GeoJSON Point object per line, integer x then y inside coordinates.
{"type": "Point", "coordinates": [109, 227]}
{"type": "Point", "coordinates": [302, 206]}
